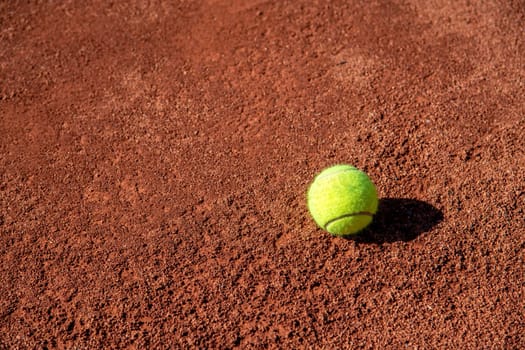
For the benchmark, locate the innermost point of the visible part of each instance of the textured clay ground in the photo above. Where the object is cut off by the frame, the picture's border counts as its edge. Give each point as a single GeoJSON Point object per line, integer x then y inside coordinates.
{"type": "Point", "coordinates": [154, 159]}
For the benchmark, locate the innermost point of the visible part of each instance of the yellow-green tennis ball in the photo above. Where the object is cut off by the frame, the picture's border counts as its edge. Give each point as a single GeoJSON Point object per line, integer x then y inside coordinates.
{"type": "Point", "coordinates": [342, 200]}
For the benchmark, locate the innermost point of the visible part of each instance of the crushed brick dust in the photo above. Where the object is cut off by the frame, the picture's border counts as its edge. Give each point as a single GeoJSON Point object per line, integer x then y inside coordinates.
{"type": "Point", "coordinates": [154, 160]}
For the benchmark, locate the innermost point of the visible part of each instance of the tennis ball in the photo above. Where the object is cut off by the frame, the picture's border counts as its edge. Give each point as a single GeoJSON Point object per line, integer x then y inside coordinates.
{"type": "Point", "coordinates": [342, 200]}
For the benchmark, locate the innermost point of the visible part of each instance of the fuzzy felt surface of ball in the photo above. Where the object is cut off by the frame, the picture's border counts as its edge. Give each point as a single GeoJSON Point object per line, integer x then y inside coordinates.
{"type": "Point", "coordinates": [342, 200]}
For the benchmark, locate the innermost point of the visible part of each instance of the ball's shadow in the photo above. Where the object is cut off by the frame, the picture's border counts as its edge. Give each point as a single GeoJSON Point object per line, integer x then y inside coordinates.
{"type": "Point", "coordinates": [400, 219]}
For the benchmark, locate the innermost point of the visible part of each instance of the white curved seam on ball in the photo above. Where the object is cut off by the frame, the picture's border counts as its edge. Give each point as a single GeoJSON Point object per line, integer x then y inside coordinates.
{"type": "Point", "coordinates": [359, 213]}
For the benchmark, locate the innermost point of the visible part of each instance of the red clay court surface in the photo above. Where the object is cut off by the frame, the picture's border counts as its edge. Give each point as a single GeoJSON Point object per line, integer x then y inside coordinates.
{"type": "Point", "coordinates": [155, 155]}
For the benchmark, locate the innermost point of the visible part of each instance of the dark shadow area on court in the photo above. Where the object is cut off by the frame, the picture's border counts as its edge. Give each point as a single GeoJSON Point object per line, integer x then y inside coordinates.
{"type": "Point", "coordinates": [399, 219]}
